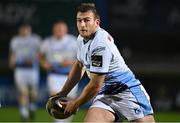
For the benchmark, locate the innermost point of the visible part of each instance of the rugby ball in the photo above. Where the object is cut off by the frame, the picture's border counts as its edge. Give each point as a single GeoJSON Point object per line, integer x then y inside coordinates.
{"type": "Point", "coordinates": [55, 109]}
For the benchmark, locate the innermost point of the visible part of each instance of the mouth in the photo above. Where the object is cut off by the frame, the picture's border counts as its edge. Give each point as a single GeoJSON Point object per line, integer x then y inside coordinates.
{"type": "Point", "coordinates": [83, 30]}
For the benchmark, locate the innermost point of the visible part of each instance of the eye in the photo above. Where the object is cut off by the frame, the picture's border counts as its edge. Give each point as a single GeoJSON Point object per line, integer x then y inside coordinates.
{"type": "Point", "coordinates": [87, 20]}
{"type": "Point", "coordinates": [78, 20]}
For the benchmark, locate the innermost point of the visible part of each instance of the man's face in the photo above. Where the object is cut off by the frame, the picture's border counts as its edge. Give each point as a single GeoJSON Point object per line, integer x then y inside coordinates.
{"type": "Point", "coordinates": [25, 31]}
{"type": "Point", "coordinates": [59, 30]}
{"type": "Point", "coordinates": [87, 23]}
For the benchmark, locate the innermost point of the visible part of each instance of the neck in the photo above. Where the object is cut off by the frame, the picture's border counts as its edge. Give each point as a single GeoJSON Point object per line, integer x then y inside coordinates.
{"type": "Point", "coordinates": [92, 35]}
{"type": "Point", "coordinates": [58, 38]}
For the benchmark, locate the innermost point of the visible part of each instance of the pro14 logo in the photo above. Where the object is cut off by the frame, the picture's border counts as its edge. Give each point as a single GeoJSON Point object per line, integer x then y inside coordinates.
{"type": "Point", "coordinates": [137, 111]}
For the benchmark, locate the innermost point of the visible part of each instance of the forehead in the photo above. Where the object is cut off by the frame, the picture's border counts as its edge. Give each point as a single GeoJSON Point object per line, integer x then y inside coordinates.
{"type": "Point", "coordinates": [59, 25]}
{"type": "Point", "coordinates": [25, 27]}
{"type": "Point", "coordinates": [88, 14]}
{"type": "Point", "coordinates": [22, 29]}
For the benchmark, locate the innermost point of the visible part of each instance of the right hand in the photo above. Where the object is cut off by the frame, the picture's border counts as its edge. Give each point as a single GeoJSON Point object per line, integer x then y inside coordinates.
{"type": "Point", "coordinates": [59, 94]}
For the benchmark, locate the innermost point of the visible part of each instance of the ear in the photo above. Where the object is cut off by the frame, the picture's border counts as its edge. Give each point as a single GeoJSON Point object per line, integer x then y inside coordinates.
{"type": "Point", "coordinates": [97, 22]}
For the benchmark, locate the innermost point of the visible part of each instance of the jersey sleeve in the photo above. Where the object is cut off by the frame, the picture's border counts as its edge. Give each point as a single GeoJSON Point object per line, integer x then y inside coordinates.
{"type": "Point", "coordinates": [78, 48]}
{"type": "Point", "coordinates": [100, 58]}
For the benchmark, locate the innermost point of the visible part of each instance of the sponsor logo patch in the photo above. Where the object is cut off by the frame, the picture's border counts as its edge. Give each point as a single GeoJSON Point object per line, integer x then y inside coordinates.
{"type": "Point", "coordinates": [96, 60]}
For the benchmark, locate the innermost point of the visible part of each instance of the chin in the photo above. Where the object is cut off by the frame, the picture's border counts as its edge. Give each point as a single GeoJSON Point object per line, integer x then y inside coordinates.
{"type": "Point", "coordinates": [84, 36]}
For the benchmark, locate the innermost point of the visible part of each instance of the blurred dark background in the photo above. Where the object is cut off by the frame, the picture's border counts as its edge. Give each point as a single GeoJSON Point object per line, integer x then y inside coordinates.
{"type": "Point", "coordinates": [147, 33]}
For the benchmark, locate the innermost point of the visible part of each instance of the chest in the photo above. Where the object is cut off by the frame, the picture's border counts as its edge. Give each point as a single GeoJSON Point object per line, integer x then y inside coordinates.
{"type": "Point", "coordinates": [27, 44]}
{"type": "Point", "coordinates": [85, 54]}
{"type": "Point", "coordinates": [57, 47]}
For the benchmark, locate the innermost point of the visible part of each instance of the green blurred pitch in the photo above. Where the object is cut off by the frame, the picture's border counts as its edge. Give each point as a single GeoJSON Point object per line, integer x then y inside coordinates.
{"type": "Point", "coordinates": [11, 114]}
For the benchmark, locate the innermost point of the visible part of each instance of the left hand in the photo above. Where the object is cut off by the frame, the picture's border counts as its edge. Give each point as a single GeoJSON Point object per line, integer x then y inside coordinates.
{"type": "Point", "coordinates": [70, 106]}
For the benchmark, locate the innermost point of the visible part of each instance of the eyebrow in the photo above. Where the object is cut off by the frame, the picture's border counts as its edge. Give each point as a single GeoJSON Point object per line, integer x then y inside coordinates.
{"type": "Point", "coordinates": [84, 18]}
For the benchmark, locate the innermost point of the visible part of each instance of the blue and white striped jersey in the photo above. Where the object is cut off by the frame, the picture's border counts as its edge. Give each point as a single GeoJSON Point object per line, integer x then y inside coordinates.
{"type": "Point", "coordinates": [25, 48]}
{"type": "Point", "coordinates": [56, 51]}
{"type": "Point", "coordinates": [100, 55]}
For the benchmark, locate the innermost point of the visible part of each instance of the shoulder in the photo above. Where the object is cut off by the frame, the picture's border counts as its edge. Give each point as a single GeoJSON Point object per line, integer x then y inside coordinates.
{"type": "Point", "coordinates": [71, 36]}
{"type": "Point", "coordinates": [48, 39]}
{"type": "Point", "coordinates": [35, 36]}
{"type": "Point", "coordinates": [79, 39]}
{"type": "Point", "coordinates": [102, 38]}
{"type": "Point", "coordinates": [15, 39]}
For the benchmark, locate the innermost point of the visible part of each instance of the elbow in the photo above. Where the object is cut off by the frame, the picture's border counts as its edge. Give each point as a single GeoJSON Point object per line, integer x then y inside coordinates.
{"type": "Point", "coordinates": [97, 89]}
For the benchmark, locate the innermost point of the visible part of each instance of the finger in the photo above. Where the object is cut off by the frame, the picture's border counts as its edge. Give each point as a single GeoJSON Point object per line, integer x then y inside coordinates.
{"type": "Point", "coordinates": [65, 110]}
{"type": "Point", "coordinates": [63, 104]}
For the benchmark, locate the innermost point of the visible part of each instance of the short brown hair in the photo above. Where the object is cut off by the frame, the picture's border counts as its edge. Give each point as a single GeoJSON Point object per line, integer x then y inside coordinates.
{"type": "Point", "coordinates": [84, 7]}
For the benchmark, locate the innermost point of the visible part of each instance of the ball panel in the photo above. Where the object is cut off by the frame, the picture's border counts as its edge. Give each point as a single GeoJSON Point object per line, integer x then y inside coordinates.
{"type": "Point", "coordinates": [55, 109]}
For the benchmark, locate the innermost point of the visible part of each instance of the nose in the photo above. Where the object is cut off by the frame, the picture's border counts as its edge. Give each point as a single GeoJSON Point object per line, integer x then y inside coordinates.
{"type": "Point", "coordinates": [82, 23]}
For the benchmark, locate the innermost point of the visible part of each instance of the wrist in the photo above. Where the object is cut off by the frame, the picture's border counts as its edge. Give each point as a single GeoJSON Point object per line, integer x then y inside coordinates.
{"type": "Point", "coordinates": [62, 94]}
{"type": "Point", "coordinates": [78, 103]}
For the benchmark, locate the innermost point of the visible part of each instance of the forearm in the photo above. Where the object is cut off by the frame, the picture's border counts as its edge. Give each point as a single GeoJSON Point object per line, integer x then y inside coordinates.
{"type": "Point", "coordinates": [91, 90]}
{"type": "Point", "coordinates": [87, 94]}
{"type": "Point", "coordinates": [73, 78]}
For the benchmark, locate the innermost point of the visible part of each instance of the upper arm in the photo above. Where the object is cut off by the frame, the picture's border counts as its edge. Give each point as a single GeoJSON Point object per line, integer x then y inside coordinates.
{"type": "Point", "coordinates": [78, 66]}
{"type": "Point", "coordinates": [101, 57]}
{"type": "Point", "coordinates": [11, 55]}
{"type": "Point", "coordinates": [12, 48]}
{"type": "Point", "coordinates": [11, 59]}
{"type": "Point", "coordinates": [97, 80]}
